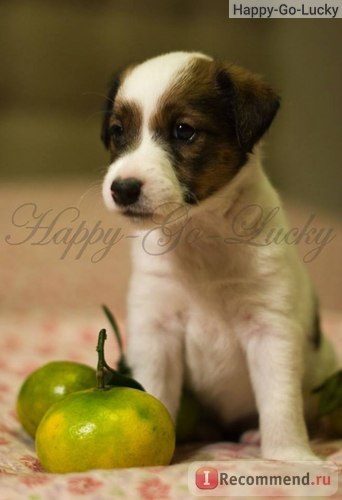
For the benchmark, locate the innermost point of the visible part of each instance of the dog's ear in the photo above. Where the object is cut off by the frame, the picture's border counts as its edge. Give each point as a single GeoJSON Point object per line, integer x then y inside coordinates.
{"type": "Point", "coordinates": [107, 110]}
{"type": "Point", "coordinates": [249, 102]}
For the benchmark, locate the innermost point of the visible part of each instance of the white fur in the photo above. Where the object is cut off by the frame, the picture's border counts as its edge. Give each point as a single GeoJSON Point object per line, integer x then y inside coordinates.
{"type": "Point", "coordinates": [151, 165]}
{"type": "Point", "coordinates": [230, 319]}
{"type": "Point", "coordinates": [148, 81]}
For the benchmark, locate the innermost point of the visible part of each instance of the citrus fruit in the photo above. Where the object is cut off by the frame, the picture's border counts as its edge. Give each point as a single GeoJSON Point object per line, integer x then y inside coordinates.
{"type": "Point", "coordinates": [105, 428]}
{"type": "Point", "coordinates": [47, 385]}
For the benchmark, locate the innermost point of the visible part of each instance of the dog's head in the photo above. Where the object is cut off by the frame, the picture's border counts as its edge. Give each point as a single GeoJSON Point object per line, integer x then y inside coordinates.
{"type": "Point", "coordinates": [178, 128]}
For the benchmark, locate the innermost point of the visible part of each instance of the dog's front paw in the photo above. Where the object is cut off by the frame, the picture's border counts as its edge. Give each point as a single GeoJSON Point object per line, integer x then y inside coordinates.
{"type": "Point", "coordinates": [290, 455]}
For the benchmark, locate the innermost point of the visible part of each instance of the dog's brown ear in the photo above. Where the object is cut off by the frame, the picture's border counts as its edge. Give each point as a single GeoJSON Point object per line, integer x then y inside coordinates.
{"type": "Point", "coordinates": [108, 109]}
{"type": "Point", "coordinates": [250, 103]}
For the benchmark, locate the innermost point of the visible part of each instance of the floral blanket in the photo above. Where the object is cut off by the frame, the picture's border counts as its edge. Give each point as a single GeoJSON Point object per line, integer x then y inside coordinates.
{"type": "Point", "coordinates": [30, 339]}
{"type": "Point", "coordinates": [50, 297]}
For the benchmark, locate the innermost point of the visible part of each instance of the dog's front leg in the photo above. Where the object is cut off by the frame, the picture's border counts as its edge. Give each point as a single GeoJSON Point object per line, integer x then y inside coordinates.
{"type": "Point", "coordinates": [275, 365]}
{"type": "Point", "coordinates": [155, 354]}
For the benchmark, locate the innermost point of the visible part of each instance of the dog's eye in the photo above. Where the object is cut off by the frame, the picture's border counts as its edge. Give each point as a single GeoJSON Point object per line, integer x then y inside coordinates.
{"type": "Point", "coordinates": [116, 130]}
{"type": "Point", "coordinates": [184, 132]}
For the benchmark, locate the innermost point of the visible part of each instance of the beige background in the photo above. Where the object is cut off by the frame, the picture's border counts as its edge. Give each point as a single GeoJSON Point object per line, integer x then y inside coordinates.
{"type": "Point", "coordinates": [57, 57]}
{"type": "Point", "coordinates": [56, 61]}
{"type": "Point", "coordinates": [35, 276]}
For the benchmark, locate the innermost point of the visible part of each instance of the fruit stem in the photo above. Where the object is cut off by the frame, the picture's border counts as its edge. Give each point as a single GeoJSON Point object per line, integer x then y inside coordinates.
{"type": "Point", "coordinates": [106, 376]}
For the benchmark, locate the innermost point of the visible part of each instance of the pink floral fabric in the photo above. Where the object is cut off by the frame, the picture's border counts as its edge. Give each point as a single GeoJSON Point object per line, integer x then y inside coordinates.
{"type": "Point", "coordinates": [50, 310]}
{"type": "Point", "coordinates": [31, 339]}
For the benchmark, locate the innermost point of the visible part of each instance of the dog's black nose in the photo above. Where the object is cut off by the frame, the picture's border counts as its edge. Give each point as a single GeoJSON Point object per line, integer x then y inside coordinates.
{"type": "Point", "coordinates": [126, 191]}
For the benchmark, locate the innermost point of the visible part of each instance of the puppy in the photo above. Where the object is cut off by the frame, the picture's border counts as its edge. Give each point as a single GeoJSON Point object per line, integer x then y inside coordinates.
{"type": "Point", "coordinates": [215, 304]}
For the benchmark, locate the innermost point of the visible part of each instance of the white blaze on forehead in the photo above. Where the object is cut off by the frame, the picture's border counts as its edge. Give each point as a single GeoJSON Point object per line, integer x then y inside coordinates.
{"type": "Point", "coordinates": [148, 81]}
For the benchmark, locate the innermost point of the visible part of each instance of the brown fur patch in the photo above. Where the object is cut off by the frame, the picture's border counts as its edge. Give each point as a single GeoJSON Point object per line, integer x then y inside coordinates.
{"type": "Point", "coordinates": [222, 110]}
{"type": "Point", "coordinates": [254, 103]}
{"type": "Point", "coordinates": [128, 115]}
{"type": "Point", "coordinates": [229, 108]}
{"type": "Point", "coordinates": [212, 159]}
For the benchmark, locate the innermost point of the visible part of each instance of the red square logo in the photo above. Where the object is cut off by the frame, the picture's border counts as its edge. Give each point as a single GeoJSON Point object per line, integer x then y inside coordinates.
{"type": "Point", "coordinates": [206, 478]}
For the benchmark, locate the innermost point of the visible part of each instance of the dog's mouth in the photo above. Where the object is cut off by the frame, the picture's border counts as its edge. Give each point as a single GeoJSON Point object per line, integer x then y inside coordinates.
{"type": "Point", "coordinates": [137, 214]}
{"type": "Point", "coordinates": [163, 214]}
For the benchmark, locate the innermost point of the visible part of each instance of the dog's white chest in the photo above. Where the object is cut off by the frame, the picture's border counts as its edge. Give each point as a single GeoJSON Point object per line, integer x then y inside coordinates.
{"type": "Point", "coordinates": [215, 364]}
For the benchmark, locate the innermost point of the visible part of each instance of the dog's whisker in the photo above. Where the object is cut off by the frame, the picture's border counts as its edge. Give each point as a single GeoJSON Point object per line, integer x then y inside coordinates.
{"type": "Point", "coordinates": [93, 190]}
{"type": "Point", "coordinates": [99, 94]}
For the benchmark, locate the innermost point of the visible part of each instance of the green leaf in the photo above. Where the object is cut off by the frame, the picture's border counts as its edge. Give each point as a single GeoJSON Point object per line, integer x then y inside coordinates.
{"type": "Point", "coordinates": [115, 327]}
{"type": "Point", "coordinates": [115, 379]}
{"type": "Point", "coordinates": [330, 394]}
{"type": "Point", "coordinates": [123, 367]}
{"type": "Point", "coordinates": [107, 376]}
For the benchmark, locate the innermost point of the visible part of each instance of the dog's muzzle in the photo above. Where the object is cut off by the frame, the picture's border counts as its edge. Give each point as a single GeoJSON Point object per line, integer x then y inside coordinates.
{"type": "Point", "coordinates": [126, 192]}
